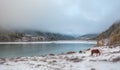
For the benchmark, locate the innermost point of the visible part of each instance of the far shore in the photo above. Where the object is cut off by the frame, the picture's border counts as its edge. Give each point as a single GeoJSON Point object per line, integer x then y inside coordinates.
{"type": "Point", "coordinates": [56, 42]}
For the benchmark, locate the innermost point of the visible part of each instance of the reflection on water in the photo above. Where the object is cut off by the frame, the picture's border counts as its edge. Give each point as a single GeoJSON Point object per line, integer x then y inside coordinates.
{"type": "Point", "coordinates": [14, 50]}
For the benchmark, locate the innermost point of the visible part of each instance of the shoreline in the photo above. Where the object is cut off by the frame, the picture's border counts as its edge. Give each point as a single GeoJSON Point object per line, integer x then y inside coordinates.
{"type": "Point", "coordinates": [69, 61]}
{"type": "Point", "coordinates": [54, 42]}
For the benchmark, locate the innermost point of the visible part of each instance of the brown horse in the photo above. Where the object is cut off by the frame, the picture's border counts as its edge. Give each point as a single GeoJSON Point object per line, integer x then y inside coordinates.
{"type": "Point", "coordinates": [95, 51]}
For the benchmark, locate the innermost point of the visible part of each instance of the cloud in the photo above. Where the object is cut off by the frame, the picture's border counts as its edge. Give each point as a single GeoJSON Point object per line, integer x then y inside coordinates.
{"type": "Point", "coordinates": [61, 16]}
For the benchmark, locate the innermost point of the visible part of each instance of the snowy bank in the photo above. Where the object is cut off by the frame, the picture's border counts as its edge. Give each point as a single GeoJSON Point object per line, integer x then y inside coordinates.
{"type": "Point", "coordinates": [108, 60]}
{"type": "Point", "coordinates": [56, 42]}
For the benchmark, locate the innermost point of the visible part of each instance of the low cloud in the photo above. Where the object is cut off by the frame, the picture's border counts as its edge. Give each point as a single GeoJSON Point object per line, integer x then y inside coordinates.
{"type": "Point", "coordinates": [61, 16]}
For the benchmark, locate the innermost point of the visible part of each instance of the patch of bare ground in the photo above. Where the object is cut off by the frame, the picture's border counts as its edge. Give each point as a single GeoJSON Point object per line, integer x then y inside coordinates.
{"type": "Point", "coordinates": [71, 52]}
{"type": "Point", "coordinates": [2, 60]}
{"type": "Point", "coordinates": [76, 59]}
{"type": "Point", "coordinates": [116, 59]}
{"type": "Point", "coordinates": [93, 69]}
{"type": "Point", "coordinates": [52, 54]}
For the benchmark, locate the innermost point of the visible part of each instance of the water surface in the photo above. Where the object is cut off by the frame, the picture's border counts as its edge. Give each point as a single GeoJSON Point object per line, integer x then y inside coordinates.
{"type": "Point", "coordinates": [18, 50]}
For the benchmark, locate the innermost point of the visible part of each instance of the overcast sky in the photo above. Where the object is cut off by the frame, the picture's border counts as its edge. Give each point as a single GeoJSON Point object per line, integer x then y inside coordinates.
{"type": "Point", "coordinates": [74, 17]}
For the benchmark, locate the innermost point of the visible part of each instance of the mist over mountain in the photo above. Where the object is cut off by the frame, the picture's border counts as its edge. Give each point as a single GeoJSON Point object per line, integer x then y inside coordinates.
{"type": "Point", "coordinates": [69, 17]}
{"type": "Point", "coordinates": [87, 37]}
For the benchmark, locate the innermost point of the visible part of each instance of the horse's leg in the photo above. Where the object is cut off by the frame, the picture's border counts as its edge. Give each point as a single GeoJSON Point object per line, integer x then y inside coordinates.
{"type": "Point", "coordinates": [99, 53]}
{"type": "Point", "coordinates": [91, 53]}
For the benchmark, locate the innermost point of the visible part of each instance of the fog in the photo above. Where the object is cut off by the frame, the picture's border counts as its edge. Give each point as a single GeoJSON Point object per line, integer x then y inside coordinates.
{"type": "Point", "coordinates": [74, 17]}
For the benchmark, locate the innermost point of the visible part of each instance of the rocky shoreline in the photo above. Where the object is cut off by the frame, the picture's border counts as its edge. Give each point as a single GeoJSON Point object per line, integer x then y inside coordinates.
{"type": "Point", "coordinates": [69, 61]}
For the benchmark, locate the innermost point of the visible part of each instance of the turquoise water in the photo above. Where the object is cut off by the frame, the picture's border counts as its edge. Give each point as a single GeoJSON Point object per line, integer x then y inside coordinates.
{"type": "Point", "coordinates": [18, 50]}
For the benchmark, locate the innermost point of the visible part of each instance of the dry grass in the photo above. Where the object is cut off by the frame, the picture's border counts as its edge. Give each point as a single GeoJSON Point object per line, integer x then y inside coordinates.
{"type": "Point", "coordinates": [115, 39]}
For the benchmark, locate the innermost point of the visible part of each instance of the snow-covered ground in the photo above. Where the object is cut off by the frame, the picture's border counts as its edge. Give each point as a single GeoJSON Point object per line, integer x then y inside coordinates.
{"type": "Point", "coordinates": [57, 42]}
{"type": "Point", "coordinates": [108, 60]}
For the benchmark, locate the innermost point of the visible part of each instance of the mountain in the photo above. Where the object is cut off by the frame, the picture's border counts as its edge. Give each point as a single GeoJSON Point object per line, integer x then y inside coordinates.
{"type": "Point", "coordinates": [48, 35]}
{"type": "Point", "coordinates": [113, 34]}
{"type": "Point", "coordinates": [10, 36]}
{"type": "Point", "coordinates": [87, 36]}
{"type": "Point", "coordinates": [31, 35]}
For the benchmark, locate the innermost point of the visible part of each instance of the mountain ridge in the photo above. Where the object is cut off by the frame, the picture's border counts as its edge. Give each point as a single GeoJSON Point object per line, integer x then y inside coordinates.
{"type": "Point", "coordinates": [112, 34]}
{"type": "Point", "coordinates": [32, 35]}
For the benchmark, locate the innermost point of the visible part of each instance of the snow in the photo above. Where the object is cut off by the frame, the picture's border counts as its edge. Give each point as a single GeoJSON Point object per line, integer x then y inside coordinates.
{"type": "Point", "coordinates": [49, 42]}
{"type": "Point", "coordinates": [108, 60]}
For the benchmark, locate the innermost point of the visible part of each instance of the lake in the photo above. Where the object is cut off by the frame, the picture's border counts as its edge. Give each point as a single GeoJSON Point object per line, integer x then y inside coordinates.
{"type": "Point", "coordinates": [19, 50]}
